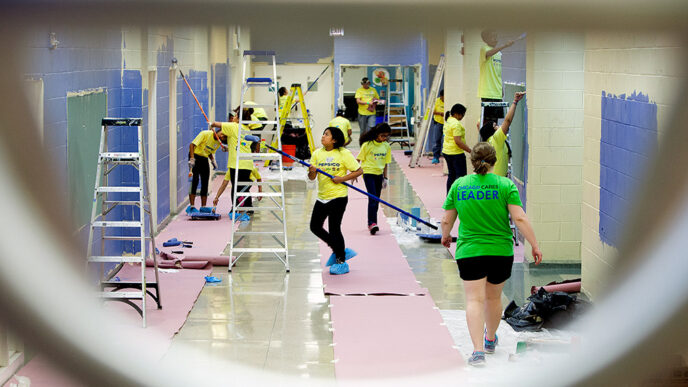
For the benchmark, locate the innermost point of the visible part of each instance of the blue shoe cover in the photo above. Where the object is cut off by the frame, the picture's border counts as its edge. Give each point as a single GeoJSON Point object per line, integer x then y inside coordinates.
{"type": "Point", "coordinates": [211, 280]}
{"type": "Point", "coordinates": [206, 209]}
{"type": "Point", "coordinates": [348, 254]}
{"type": "Point", "coordinates": [191, 210]}
{"type": "Point", "coordinates": [339, 268]}
{"type": "Point", "coordinates": [241, 217]}
{"type": "Point", "coordinates": [171, 242]}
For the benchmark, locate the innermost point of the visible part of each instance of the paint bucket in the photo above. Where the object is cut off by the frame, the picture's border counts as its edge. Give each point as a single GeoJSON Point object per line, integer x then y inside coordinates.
{"type": "Point", "coordinates": [290, 150]}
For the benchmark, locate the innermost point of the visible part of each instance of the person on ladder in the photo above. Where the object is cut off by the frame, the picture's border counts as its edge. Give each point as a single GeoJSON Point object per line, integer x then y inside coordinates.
{"type": "Point", "coordinates": [202, 149]}
{"type": "Point", "coordinates": [366, 98]}
{"type": "Point", "coordinates": [343, 124]}
{"type": "Point", "coordinates": [490, 83]}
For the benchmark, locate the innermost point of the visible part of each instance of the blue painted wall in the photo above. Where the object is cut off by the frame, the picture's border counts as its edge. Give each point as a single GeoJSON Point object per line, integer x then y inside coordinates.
{"type": "Point", "coordinates": [629, 140]}
{"type": "Point", "coordinates": [387, 48]}
{"type": "Point", "coordinates": [92, 59]}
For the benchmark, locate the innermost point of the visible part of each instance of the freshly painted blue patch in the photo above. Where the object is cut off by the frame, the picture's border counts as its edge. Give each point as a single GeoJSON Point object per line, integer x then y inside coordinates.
{"type": "Point", "coordinates": [628, 142]}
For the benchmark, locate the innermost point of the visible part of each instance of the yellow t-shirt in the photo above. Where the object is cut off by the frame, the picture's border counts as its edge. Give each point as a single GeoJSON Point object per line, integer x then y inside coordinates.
{"type": "Point", "coordinates": [439, 107]}
{"type": "Point", "coordinates": [282, 101]}
{"type": "Point", "coordinates": [498, 141]}
{"type": "Point", "coordinates": [206, 144]}
{"type": "Point", "coordinates": [453, 128]}
{"type": "Point", "coordinates": [366, 95]}
{"type": "Point", "coordinates": [343, 124]}
{"type": "Point", "coordinates": [255, 175]}
{"type": "Point", "coordinates": [258, 114]}
{"type": "Point", "coordinates": [374, 156]}
{"type": "Point", "coordinates": [231, 130]}
{"type": "Point", "coordinates": [490, 85]}
{"type": "Point", "coordinates": [337, 162]}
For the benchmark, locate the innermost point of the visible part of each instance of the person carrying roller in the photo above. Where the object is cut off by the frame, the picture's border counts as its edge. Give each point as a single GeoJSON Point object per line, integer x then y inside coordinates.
{"type": "Point", "coordinates": [338, 161]}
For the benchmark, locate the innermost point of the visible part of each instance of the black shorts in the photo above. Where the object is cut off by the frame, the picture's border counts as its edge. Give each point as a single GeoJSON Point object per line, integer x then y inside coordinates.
{"type": "Point", "coordinates": [496, 268]}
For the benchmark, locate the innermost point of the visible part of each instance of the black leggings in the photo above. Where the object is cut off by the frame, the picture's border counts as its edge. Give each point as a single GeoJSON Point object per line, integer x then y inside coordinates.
{"type": "Point", "coordinates": [456, 165]}
{"type": "Point", "coordinates": [334, 212]}
{"type": "Point", "coordinates": [201, 171]}
{"type": "Point", "coordinates": [373, 185]}
{"type": "Point", "coordinates": [244, 175]}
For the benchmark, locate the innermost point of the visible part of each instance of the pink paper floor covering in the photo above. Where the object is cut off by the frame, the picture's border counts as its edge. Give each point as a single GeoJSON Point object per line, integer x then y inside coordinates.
{"type": "Point", "coordinates": [387, 325]}
{"type": "Point", "coordinates": [179, 289]}
{"type": "Point", "coordinates": [430, 184]}
{"type": "Point", "coordinates": [379, 267]}
{"type": "Point", "coordinates": [390, 336]}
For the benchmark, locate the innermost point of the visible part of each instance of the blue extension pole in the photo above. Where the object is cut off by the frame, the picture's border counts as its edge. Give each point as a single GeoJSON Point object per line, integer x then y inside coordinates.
{"type": "Point", "coordinates": [256, 139]}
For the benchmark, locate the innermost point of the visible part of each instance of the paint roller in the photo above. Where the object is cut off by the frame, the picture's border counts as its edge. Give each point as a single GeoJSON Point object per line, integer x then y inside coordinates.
{"type": "Point", "coordinates": [392, 206]}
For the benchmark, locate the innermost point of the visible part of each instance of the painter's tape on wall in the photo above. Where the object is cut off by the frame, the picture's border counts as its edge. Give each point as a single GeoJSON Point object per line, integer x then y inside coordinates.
{"type": "Point", "coordinates": [629, 141]}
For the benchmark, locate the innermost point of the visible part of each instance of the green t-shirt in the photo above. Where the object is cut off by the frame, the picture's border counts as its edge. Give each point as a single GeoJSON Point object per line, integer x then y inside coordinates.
{"type": "Point", "coordinates": [482, 204]}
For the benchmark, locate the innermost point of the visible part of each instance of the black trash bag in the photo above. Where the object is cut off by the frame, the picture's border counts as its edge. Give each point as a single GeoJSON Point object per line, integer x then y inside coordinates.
{"type": "Point", "coordinates": [541, 308]}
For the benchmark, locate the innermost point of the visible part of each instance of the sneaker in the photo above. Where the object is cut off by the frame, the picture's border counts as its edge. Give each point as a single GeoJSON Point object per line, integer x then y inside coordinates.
{"type": "Point", "coordinates": [373, 228]}
{"type": "Point", "coordinates": [435, 160]}
{"type": "Point", "coordinates": [490, 345]}
{"type": "Point", "coordinates": [477, 359]}
{"type": "Point", "coordinates": [190, 210]}
{"type": "Point", "coordinates": [348, 254]}
{"type": "Point", "coordinates": [343, 268]}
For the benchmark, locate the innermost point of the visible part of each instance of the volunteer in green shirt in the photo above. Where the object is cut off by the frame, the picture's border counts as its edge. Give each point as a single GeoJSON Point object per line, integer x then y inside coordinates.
{"type": "Point", "coordinates": [496, 136]}
{"type": "Point", "coordinates": [483, 202]}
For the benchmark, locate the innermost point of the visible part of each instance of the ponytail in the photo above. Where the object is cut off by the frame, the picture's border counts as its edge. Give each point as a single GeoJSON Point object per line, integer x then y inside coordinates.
{"type": "Point", "coordinates": [483, 156]}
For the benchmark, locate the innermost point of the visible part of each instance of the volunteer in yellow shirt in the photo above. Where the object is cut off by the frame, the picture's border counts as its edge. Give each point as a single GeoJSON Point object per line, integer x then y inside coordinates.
{"type": "Point", "coordinates": [283, 96]}
{"type": "Point", "coordinates": [496, 136]}
{"type": "Point", "coordinates": [202, 149]}
{"type": "Point", "coordinates": [436, 128]}
{"type": "Point", "coordinates": [257, 114]}
{"type": "Point", "coordinates": [366, 98]}
{"type": "Point", "coordinates": [374, 156]}
{"type": "Point", "coordinates": [338, 161]}
{"type": "Point", "coordinates": [343, 124]}
{"type": "Point", "coordinates": [244, 167]}
{"type": "Point", "coordinates": [490, 84]}
{"type": "Point", "coordinates": [454, 144]}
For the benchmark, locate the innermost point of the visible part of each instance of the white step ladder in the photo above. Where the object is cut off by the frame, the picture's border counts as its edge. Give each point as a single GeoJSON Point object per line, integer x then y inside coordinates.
{"type": "Point", "coordinates": [396, 112]}
{"type": "Point", "coordinates": [104, 203]}
{"type": "Point", "coordinates": [424, 127]}
{"type": "Point", "coordinates": [276, 204]}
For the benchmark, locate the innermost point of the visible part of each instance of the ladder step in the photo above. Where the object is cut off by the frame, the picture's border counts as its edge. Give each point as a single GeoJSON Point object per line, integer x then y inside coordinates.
{"type": "Point", "coordinates": [110, 121]}
{"type": "Point", "coordinates": [397, 116]}
{"type": "Point", "coordinates": [260, 106]}
{"type": "Point", "coordinates": [260, 194]}
{"type": "Point", "coordinates": [118, 189]}
{"type": "Point", "coordinates": [268, 122]}
{"type": "Point", "coordinates": [120, 156]}
{"type": "Point", "coordinates": [398, 127]}
{"type": "Point", "coordinates": [123, 202]}
{"type": "Point", "coordinates": [260, 156]}
{"type": "Point", "coordinates": [259, 250]}
{"type": "Point", "coordinates": [259, 232]}
{"type": "Point", "coordinates": [259, 53]}
{"type": "Point", "coordinates": [114, 258]}
{"type": "Point", "coordinates": [272, 131]}
{"type": "Point", "coordinates": [396, 104]}
{"type": "Point", "coordinates": [123, 295]}
{"type": "Point", "coordinates": [396, 92]}
{"type": "Point", "coordinates": [263, 183]}
{"type": "Point", "coordinates": [260, 208]}
{"type": "Point", "coordinates": [123, 238]}
{"type": "Point", "coordinates": [258, 80]}
{"type": "Point", "coordinates": [117, 223]}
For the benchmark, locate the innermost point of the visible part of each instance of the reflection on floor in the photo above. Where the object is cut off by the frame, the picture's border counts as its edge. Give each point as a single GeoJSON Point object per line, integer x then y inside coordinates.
{"type": "Point", "coordinates": [263, 317]}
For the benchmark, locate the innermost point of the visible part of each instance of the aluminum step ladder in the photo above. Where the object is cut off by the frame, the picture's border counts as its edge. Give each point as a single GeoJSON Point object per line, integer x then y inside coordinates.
{"type": "Point", "coordinates": [424, 127]}
{"type": "Point", "coordinates": [135, 199]}
{"type": "Point", "coordinates": [396, 111]}
{"type": "Point", "coordinates": [276, 203]}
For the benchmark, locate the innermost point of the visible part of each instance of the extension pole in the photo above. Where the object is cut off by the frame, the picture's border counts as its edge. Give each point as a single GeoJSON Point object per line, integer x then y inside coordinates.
{"type": "Point", "coordinates": [224, 148]}
{"type": "Point", "coordinates": [312, 84]}
{"type": "Point", "coordinates": [392, 206]}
